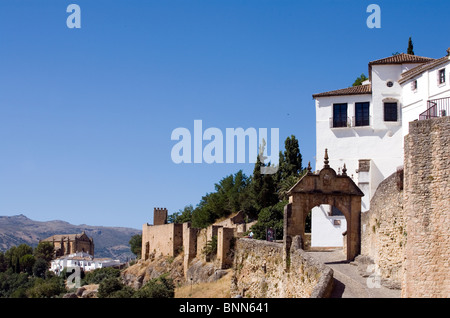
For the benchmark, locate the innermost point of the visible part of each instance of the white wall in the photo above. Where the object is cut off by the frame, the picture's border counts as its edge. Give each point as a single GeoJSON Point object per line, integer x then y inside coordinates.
{"type": "Point", "coordinates": [324, 233]}
{"type": "Point", "coordinates": [415, 101]}
{"type": "Point", "coordinates": [381, 142]}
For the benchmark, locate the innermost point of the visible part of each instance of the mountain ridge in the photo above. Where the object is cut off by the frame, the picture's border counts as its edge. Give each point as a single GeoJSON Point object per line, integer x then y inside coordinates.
{"type": "Point", "coordinates": [110, 242]}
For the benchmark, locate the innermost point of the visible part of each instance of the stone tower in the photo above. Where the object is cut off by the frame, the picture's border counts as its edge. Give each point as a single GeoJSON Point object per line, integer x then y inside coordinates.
{"type": "Point", "coordinates": [159, 216]}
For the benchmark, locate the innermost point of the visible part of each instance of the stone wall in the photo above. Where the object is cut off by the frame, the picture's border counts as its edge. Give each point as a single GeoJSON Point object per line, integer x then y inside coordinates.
{"type": "Point", "coordinates": [259, 271]}
{"type": "Point", "coordinates": [159, 240]}
{"type": "Point", "coordinates": [427, 209]}
{"type": "Point", "coordinates": [383, 231]}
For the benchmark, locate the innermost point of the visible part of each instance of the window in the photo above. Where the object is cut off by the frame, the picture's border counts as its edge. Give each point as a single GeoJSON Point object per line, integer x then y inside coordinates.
{"type": "Point", "coordinates": [389, 83]}
{"type": "Point", "coordinates": [441, 78]}
{"type": "Point", "coordinates": [362, 114]}
{"type": "Point", "coordinates": [390, 111]}
{"type": "Point", "coordinates": [340, 115]}
{"type": "Point", "coordinates": [334, 211]}
{"type": "Point", "coordinates": [414, 85]}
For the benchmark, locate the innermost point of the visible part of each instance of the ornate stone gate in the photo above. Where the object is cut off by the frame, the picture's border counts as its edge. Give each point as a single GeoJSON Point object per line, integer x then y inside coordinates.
{"type": "Point", "coordinates": [325, 187]}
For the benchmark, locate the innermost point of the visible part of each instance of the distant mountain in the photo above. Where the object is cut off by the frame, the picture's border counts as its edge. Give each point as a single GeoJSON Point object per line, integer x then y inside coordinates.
{"type": "Point", "coordinates": [109, 242]}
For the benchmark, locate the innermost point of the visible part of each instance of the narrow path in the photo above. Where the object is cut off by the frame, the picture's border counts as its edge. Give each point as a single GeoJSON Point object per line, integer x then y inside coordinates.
{"type": "Point", "coordinates": [348, 283]}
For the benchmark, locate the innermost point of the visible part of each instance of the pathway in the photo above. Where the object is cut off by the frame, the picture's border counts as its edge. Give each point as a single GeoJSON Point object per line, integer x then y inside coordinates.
{"type": "Point", "coordinates": [348, 283]}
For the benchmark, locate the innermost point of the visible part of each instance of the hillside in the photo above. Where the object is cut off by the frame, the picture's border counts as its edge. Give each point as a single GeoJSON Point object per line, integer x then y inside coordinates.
{"type": "Point", "coordinates": [109, 241]}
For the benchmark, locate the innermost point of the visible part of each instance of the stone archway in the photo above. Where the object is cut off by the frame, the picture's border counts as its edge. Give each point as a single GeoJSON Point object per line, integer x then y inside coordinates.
{"type": "Point", "coordinates": [325, 187]}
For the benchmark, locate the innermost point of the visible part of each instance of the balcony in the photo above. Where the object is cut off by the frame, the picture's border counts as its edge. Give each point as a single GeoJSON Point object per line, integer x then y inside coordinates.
{"type": "Point", "coordinates": [350, 122]}
{"type": "Point", "coordinates": [436, 108]}
{"type": "Point", "coordinates": [340, 122]}
{"type": "Point", "coordinates": [361, 121]}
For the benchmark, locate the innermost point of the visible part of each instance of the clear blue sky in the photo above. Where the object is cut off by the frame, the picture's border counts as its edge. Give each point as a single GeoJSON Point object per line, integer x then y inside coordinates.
{"type": "Point", "coordinates": [86, 115]}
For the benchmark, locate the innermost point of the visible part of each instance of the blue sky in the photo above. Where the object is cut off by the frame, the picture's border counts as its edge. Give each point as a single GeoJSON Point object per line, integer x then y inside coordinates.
{"type": "Point", "coordinates": [86, 115]}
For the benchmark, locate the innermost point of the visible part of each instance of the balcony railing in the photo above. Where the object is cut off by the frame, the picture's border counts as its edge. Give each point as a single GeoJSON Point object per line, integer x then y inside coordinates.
{"type": "Point", "coordinates": [350, 122]}
{"type": "Point", "coordinates": [436, 108]}
{"type": "Point", "coordinates": [340, 123]}
{"type": "Point", "coordinates": [361, 121]}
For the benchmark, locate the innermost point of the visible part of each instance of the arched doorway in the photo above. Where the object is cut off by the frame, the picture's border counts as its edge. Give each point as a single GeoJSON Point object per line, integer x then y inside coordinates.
{"type": "Point", "coordinates": [325, 187]}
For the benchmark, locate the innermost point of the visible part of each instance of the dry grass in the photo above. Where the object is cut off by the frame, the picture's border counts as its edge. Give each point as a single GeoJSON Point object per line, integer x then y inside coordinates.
{"type": "Point", "coordinates": [217, 289]}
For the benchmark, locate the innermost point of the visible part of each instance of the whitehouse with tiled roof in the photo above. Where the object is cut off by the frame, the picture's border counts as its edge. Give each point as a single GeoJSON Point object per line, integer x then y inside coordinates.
{"type": "Point", "coordinates": [363, 127]}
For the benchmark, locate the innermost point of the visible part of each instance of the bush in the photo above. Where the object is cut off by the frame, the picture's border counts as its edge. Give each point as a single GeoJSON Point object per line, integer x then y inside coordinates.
{"type": "Point", "coordinates": [100, 274]}
{"type": "Point", "coordinates": [108, 287]}
{"type": "Point", "coordinates": [161, 287]}
{"type": "Point", "coordinates": [52, 287]}
{"type": "Point", "coordinates": [270, 217]}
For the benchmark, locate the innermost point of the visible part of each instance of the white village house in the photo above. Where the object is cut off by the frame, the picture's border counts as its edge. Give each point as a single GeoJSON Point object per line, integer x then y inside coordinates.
{"type": "Point", "coordinates": [364, 126]}
{"type": "Point", "coordinates": [81, 260]}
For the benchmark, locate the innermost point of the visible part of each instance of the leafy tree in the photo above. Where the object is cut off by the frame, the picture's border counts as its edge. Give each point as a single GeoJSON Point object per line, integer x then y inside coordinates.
{"type": "Point", "coordinates": [292, 159]}
{"type": "Point", "coordinates": [262, 191]}
{"type": "Point", "coordinates": [286, 184]}
{"type": "Point", "coordinates": [359, 80]}
{"type": "Point", "coordinates": [47, 288]}
{"type": "Point", "coordinates": [108, 287]}
{"type": "Point", "coordinates": [136, 245]}
{"type": "Point", "coordinates": [26, 263]}
{"type": "Point", "coordinates": [161, 287]}
{"type": "Point", "coordinates": [182, 216]}
{"type": "Point", "coordinates": [228, 198]}
{"type": "Point", "coordinates": [270, 217]}
{"type": "Point", "coordinates": [40, 268]}
{"type": "Point", "coordinates": [15, 253]}
{"type": "Point", "coordinates": [410, 47]}
{"type": "Point", "coordinates": [100, 274]}
{"type": "Point", "coordinates": [44, 251]}
{"type": "Point", "coordinates": [11, 281]}
{"type": "Point", "coordinates": [3, 262]}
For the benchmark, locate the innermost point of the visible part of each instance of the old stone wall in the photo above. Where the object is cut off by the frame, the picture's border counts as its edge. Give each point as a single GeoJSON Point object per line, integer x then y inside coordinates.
{"type": "Point", "coordinates": [383, 231]}
{"type": "Point", "coordinates": [164, 239]}
{"type": "Point", "coordinates": [259, 271]}
{"type": "Point", "coordinates": [427, 209]}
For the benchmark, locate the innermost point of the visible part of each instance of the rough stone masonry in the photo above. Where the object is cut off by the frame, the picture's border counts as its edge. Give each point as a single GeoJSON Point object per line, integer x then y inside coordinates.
{"type": "Point", "coordinates": [427, 209]}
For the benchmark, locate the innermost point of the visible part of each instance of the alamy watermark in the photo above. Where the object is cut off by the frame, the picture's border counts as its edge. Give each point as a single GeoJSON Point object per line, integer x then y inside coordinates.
{"type": "Point", "coordinates": [374, 279]}
{"type": "Point", "coordinates": [218, 151]}
{"type": "Point", "coordinates": [374, 19]}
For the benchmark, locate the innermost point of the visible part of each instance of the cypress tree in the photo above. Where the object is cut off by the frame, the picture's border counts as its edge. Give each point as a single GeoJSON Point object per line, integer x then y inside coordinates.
{"type": "Point", "coordinates": [410, 47]}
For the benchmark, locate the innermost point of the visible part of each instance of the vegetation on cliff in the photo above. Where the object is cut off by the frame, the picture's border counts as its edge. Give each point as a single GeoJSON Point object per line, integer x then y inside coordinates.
{"type": "Point", "coordinates": [260, 196]}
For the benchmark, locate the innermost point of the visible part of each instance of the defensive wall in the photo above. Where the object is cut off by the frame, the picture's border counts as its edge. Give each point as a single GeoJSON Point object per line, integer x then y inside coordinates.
{"type": "Point", "coordinates": [406, 233]}
{"type": "Point", "coordinates": [260, 271]}
{"type": "Point", "coordinates": [427, 209]}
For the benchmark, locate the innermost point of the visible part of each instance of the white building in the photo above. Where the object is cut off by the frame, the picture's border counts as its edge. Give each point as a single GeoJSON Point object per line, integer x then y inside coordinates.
{"type": "Point", "coordinates": [364, 126]}
{"type": "Point", "coordinates": [81, 260]}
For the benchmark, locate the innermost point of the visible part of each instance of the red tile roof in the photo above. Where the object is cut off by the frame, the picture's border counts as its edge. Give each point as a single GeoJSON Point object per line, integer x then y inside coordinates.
{"type": "Point", "coordinates": [422, 68]}
{"type": "Point", "coordinates": [354, 90]}
{"type": "Point", "coordinates": [401, 58]}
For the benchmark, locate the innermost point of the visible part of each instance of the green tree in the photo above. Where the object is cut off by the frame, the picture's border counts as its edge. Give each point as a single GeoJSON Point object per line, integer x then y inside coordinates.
{"type": "Point", "coordinates": [136, 245]}
{"type": "Point", "coordinates": [40, 268]}
{"type": "Point", "coordinates": [270, 217]}
{"type": "Point", "coordinates": [15, 253]}
{"type": "Point", "coordinates": [229, 197]}
{"type": "Point", "coordinates": [292, 158]}
{"type": "Point", "coordinates": [182, 216]}
{"type": "Point", "coordinates": [100, 274]}
{"type": "Point", "coordinates": [410, 47]}
{"type": "Point", "coordinates": [45, 251]}
{"type": "Point", "coordinates": [359, 80]}
{"type": "Point", "coordinates": [47, 288]}
{"type": "Point", "coordinates": [3, 262]}
{"type": "Point", "coordinates": [262, 191]}
{"type": "Point", "coordinates": [161, 287]}
{"type": "Point", "coordinates": [109, 286]}
{"type": "Point", "coordinates": [286, 184]}
{"type": "Point", "coordinates": [26, 263]}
